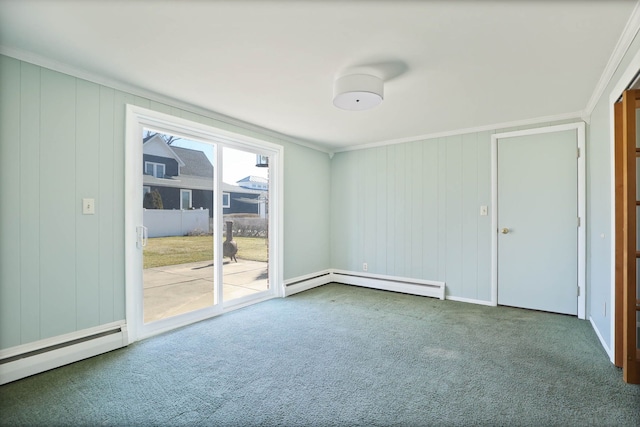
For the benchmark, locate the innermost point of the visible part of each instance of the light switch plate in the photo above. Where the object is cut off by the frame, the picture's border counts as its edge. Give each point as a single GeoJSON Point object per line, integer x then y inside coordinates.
{"type": "Point", "coordinates": [484, 210]}
{"type": "Point", "coordinates": [88, 206]}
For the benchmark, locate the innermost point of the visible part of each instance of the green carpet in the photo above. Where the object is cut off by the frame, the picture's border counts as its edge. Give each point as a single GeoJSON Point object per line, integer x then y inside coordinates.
{"type": "Point", "coordinates": [342, 355]}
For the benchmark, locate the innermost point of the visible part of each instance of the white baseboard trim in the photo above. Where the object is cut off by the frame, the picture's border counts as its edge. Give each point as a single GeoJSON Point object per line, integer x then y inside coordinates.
{"type": "Point", "coordinates": [30, 359]}
{"type": "Point", "coordinates": [427, 288]}
{"type": "Point", "coordinates": [602, 341]}
{"type": "Point", "coordinates": [471, 301]}
{"type": "Point", "coordinates": [306, 282]}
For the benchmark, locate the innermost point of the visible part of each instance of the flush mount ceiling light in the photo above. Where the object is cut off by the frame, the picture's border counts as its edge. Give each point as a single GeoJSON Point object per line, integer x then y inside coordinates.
{"type": "Point", "coordinates": [358, 92]}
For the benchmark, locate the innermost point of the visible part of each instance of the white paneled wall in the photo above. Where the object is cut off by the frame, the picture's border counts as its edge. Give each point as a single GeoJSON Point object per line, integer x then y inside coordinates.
{"type": "Point", "coordinates": [413, 210]}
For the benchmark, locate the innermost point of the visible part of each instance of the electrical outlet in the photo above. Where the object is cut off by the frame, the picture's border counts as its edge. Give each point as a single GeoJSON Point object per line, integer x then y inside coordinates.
{"type": "Point", "coordinates": [365, 266]}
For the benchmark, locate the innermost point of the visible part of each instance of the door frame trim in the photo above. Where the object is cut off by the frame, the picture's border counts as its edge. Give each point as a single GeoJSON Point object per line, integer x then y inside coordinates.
{"type": "Point", "coordinates": [139, 117]}
{"type": "Point", "coordinates": [620, 85]}
{"type": "Point", "coordinates": [579, 127]}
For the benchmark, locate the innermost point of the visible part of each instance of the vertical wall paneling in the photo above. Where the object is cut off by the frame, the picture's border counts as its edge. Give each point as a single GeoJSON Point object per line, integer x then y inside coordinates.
{"type": "Point", "coordinates": [453, 206]}
{"type": "Point", "coordinates": [392, 197]}
{"type": "Point", "coordinates": [58, 205]}
{"type": "Point", "coordinates": [442, 211]}
{"type": "Point", "coordinates": [338, 252]}
{"type": "Point", "coordinates": [352, 223]}
{"type": "Point", "coordinates": [104, 201]}
{"type": "Point", "coordinates": [371, 219]}
{"type": "Point", "coordinates": [483, 248]}
{"type": "Point", "coordinates": [359, 180]}
{"type": "Point", "coordinates": [400, 234]}
{"type": "Point", "coordinates": [160, 107]}
{"type": "Point", "coordinates": [10, 247]}
{"type": "Point", "coordinates": [429, 210]}
{"type": "Point", "coordinates": [343, 215]}
{"type": "Point", "coordinates": [139, 101]}
{"type": "Point", "coordinates": [195, 117]}
{"type": "Point", "coordinates": [415, 189]}
{"type": "Point", "coordinates": [381, 186]}
{"type": "Point", "coordinates": [30, 202]}
{"type": "Point", "coordinates": [87, 186]}
{"type": "Point", "coordinates": [470, 215]}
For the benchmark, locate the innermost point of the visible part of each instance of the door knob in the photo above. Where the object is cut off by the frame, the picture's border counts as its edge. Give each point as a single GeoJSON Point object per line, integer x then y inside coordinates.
{"type": "Point", "coordinates": [504, 230]}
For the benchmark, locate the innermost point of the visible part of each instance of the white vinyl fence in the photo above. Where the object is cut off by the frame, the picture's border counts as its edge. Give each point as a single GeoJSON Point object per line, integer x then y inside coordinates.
{"type": "Point", "coordinates": [165, 222]}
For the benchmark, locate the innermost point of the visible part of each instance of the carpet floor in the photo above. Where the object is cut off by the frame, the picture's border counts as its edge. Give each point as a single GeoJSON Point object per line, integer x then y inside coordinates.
{"type": "Point", "coordinates": [342, 355]}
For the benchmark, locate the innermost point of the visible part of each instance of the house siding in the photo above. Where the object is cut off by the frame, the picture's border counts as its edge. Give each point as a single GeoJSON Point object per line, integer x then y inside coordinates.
{"type": "Point", "coordinates": [238, 207]}
{"type": "Point", "coordinates": [202, 199]}
{"type": "Point", "coordinates": [171, 165]}
{"type": "Point", "coordinates": [61, 271]}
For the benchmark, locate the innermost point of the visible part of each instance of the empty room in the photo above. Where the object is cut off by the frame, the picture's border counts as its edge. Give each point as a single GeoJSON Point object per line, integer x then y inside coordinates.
{"type": "Point", "coordinates": [317, 212]}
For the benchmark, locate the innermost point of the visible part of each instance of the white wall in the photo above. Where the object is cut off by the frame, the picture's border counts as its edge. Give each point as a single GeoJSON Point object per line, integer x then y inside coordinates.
{"type": "Point", "coordinates": [62, 139]}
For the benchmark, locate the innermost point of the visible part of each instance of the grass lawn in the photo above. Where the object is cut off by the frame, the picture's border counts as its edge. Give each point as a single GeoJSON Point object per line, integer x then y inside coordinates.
{"type": "Point", "coordinates": [161, 251]}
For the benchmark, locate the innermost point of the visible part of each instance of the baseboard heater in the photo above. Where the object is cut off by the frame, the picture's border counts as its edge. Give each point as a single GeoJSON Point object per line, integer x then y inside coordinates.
{"type": "Point", "coordinates": [30, 359]}
{"type": "Point", "coordinates": [309, 281]}
{"type": "Point", "coordinates": [406, 285]}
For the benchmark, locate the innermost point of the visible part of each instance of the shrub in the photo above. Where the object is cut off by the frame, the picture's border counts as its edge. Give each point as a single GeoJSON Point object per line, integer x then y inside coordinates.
{"type": "Point", "coordinates": [152, 200]}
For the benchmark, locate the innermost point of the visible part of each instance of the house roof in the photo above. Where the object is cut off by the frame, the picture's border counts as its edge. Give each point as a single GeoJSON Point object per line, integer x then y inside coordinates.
{"type": "Point", "coordinates": [196, 162]}
{"type": "Point", "coordinates": [158, 147]}
{"type": "Point", "coordinates": [253, 178]}
{"type": "Point", "coordinates": [230, 188]}
{"type": "Point", "coordinates": [448, 66]}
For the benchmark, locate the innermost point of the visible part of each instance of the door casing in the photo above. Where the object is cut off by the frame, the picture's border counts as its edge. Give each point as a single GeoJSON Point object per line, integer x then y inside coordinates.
{"type": "Point", "coordinates": [581, 208]}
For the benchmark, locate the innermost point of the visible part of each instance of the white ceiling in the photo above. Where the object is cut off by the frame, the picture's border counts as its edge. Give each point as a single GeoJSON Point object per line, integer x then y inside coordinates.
{"type": "Point", "coordinates": [447, 65]}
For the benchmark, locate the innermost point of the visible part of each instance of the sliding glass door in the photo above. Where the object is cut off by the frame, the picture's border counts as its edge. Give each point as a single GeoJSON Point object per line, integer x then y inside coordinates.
{"type": "Point", "coordinates": [202, 222]}
{"type": "Point", "coordinates": [246, 224]}
{"type": "Point", "coordinates": [178, 208]}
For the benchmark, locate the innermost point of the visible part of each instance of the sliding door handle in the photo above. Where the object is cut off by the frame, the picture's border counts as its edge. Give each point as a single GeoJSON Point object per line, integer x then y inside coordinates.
{"type": "Point", "coordinates": [142, 236]}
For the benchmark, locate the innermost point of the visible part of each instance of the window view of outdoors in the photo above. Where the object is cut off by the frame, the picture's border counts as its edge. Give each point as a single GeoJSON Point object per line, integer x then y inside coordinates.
{"type": "Point", "coordinates": [178, 211]}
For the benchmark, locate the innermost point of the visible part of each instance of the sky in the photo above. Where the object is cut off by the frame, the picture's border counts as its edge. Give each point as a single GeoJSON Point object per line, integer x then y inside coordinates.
{"type": "Point", "coordinates": [236, 164]}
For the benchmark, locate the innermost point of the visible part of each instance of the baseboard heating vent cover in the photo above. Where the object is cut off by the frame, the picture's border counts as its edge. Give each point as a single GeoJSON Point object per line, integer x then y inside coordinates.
{"type": "Point", "coordinates": [306, 282]}
{"type": "Point", "coordinates": [427, 288]}
{"type": "Point", "coordinates": [29, 359]}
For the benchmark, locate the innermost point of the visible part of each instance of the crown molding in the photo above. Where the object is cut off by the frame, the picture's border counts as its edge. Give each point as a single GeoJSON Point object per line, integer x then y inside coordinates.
{"type": "Point", "coordinates": [494, 127]}
{"type": "Point", "coordinates": [624, 42]}
{"type": "Point", "coordinates": [63, 68]}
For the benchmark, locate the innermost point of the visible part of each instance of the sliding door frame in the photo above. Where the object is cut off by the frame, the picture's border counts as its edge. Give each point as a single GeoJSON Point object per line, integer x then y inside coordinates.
{"type": "Point", "coordinates": [138, 118]}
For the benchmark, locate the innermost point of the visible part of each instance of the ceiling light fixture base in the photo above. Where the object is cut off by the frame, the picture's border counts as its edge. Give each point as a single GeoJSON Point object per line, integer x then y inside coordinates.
{"type": "Point", "coordinates": [357, 92]}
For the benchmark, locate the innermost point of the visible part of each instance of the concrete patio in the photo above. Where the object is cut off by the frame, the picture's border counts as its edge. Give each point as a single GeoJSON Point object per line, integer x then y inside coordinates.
{"type": "Point", "coordinates": [177, 289]}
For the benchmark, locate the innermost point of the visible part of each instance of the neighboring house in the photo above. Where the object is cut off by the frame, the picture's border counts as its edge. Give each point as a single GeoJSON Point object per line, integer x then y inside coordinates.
{"type": "Point", "coordinates": [184, 179]}
{"type": "Point", "coordinates": [238, 200]}
{"type": "Point", "coordinates": [254, 183]}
